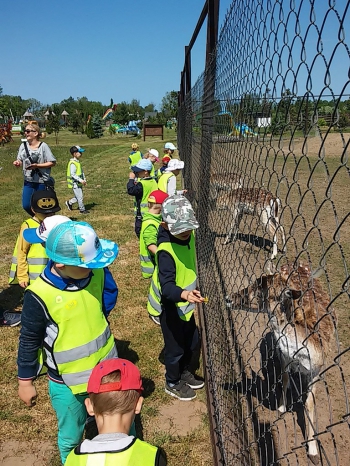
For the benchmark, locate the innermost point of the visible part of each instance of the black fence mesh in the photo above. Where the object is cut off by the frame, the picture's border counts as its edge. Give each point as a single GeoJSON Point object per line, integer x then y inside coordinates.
{"type": "Point", "coordinates": [264, 134]}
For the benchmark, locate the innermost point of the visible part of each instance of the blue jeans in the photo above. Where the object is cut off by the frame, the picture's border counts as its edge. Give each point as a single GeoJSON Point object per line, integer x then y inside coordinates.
{"type": "Point", "coordinates": [28, 189]}
{"type": "Point", "coordinates": [71, 416]}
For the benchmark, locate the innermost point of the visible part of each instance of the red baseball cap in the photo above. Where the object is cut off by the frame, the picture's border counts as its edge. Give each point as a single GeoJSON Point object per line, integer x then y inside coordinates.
{"type": "Point", "coordinates": [158, 196]}
{"type": "Point", "coordinates": [166, 158]}
{"type": "Point", "coordinates": [130, 377]}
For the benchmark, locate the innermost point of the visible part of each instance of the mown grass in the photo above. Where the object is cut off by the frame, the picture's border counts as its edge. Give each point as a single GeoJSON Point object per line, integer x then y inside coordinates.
{"type": "Point", "coordinates": [106, 167]}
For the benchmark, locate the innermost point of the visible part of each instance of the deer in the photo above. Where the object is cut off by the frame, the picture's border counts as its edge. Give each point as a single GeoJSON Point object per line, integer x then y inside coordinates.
{"type": "Point", "coordinates": [303, 325]}
{"type": "Point", "coordinates": [223, 182]}
{"type": "Point", "coordinates": [258, 202]}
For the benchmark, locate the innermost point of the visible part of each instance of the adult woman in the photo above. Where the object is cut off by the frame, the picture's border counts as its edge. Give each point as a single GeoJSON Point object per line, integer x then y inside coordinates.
{"type": "Point", "coordinates": [37, 161]}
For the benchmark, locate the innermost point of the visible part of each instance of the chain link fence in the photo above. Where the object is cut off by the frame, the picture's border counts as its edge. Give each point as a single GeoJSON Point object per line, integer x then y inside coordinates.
{"type": "Point", "coordinates": [264, 134]}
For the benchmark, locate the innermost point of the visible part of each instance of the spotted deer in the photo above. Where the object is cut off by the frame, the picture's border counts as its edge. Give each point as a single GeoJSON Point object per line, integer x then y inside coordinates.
{"type": "Point", "coordinates": [223, 182]}
{"type": "Point", "coordinates": [303, 323]}
{"type": "Point", "coordinates": [258, 202]}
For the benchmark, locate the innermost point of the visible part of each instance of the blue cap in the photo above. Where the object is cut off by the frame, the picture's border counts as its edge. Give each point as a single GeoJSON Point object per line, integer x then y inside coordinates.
{"type": "Point", "coordinates": [76, 243]}
{"type": "Point", "coordinates": [143, 164]}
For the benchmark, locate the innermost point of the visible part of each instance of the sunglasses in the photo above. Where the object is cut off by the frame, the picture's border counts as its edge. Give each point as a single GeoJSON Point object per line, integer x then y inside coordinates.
{"type": "Point", "coordinates": [29, 131]}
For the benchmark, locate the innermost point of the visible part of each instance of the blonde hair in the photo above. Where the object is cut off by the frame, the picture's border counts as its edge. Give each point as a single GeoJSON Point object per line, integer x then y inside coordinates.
{"type": "Point", "coordinates": [35, 127]}
{"type": "Point", "coordinates": [134, 146]}
{"type": "Point", "coordinates": [121, 402]}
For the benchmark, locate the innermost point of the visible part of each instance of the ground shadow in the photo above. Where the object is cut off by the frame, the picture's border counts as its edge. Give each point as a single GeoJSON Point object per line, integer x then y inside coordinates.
{"type": "Point", "coordinates": [11, 298]}
{"type": "Point", "coordinates": [125, 352]}
{"type": "Point", "coordinates": [257, 241]}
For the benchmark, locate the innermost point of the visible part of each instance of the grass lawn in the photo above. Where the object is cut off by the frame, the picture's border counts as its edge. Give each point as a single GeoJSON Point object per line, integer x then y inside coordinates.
{"type": "Point", "coordinates": [106, 168]}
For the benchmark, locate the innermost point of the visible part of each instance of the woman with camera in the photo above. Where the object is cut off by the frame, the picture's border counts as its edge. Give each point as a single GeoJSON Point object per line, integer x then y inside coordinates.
{"type": "Point", "coordinates": [36, 159]}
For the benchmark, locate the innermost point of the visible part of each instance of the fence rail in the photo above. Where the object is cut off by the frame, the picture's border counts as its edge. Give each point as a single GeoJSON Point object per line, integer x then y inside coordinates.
{"type": "Point", "coordinates": [264, 133]}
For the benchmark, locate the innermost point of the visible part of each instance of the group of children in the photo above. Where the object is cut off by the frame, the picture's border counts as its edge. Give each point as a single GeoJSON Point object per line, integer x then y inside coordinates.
{"type": "Point", "coordinates": [69, 293]}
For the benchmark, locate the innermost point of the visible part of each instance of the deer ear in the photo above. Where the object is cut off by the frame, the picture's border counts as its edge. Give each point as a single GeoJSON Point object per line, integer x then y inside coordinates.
{"type": "Point", "coordinates": [295, 294]}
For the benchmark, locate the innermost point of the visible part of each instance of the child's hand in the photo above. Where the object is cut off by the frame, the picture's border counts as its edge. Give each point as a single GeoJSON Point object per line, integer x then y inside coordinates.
{"type": "Point", "coordinates": [132, 176]}
{"type": "Point", "coordinates": [185, 191]}
{"type": "Point", "coordinates": [23, 284]}
{"type": "Point", "coordinates": [193, 296]}
{"type": "Point", "coordinates": [83, 182]}
{"type": "Point", "coordinates": [27, 392]}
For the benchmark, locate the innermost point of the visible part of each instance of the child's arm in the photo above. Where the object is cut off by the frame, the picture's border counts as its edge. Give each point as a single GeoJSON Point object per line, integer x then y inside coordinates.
{"type": "Point", "coordinates": [74, 176]}
{"type": "Point", "coordinates": [22, 264]}
{"type": "Point", "coordinates": [31, 338]}
{"type": "Point", "coordinates": [134, 189]}
{"type": "Point", "coordinates": [110, 293]}
{"type": "Point", "coordinates": [150, 234]}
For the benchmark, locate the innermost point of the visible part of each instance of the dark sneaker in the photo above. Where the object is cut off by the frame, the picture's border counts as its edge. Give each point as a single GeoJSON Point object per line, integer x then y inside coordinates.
{"type": "Point", "coordinates": [11, 319]}
{"type": "Point", "coordinates": [155, 319]}
{"type": "Point", "coordinates": [84, 212]}
{"type": "Point", "coordinates": [69, 205]}
{"type": "Point", "coordinates": [181, 391]}
{"type": "Point", "coordinates": [191, 380]}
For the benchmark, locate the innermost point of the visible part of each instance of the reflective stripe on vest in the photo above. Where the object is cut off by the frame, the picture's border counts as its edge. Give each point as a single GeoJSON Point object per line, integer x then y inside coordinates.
{"type": "Point", "coordinates": [137, 452]}
{"type": "Point", "coordinates": [77, 336]}
{"type": "Point", "coordinates": [134, 158]}
{"type": "Point", "coordinates": [185, 263]}
{"type": "Point", "coordinates": [146, 258]}
{"type": "Point", "coordinates": [148, 185]}
{"type": "Point", "coordinates": [36, 257]}
{"type": "Point", "coordinates": [79, 172]}
{"type": "Point", "coordinates": [164, 180]}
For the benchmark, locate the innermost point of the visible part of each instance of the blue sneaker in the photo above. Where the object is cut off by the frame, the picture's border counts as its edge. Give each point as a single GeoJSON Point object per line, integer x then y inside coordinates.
{"type": "Point", "coordinates": [11, 319]}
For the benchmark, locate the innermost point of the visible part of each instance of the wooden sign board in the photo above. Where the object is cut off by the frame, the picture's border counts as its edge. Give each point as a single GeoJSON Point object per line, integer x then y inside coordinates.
{"type": "Point", "coordinates": [152, 130]}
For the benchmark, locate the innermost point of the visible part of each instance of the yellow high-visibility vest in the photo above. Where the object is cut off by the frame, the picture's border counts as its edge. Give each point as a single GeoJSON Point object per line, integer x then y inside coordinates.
{"type": "Point", "coordinates": [164, 180]}
{"type": "Point", "coordinates": [80, 336]}
{"type": "Point", "coordinates": [186, 277]}
{"type": "Point", "coordinates": [79, 173]}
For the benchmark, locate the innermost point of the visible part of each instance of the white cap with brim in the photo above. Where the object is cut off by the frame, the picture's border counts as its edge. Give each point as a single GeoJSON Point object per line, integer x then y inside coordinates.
{"type": "Point", "coordinates": [174, 164]}
{"type": "Point", "coordinates": [40, 234]}
{"type": "Point", "coordinates": [169, 145]}
{"type": "Point", "coordinates": [76, 243]}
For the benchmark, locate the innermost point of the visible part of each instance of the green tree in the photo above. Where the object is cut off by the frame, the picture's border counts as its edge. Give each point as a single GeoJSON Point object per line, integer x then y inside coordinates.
{"type": "Point", "coordinates": [169, 104]}
{"type": "Point", "coordinates": [53, 124]}
{"type": "Point", "coordinates": [76, 122]}
{"type": "Point", "coordinates": [89, 130]}
{"type": "Point", "coordinates": [97, 126]}
{"type": "Point", "coordinates": [121, 114]}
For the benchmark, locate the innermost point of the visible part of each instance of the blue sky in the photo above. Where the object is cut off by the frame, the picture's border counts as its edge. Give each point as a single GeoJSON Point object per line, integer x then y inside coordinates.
{"type": "Point", "coordinates": [99, 49]}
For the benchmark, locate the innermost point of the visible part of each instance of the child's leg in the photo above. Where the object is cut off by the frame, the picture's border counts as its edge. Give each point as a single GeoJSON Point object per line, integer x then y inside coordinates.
{"type": "Point", "coordinates": [78, 193]}
{"type": "Point", "coordinates": [191, 337]}
{"type": "Point", "coordinates": [138, 224]}
{"type": "Point", "coordinates": [71, 416]}
{"type": "Point", "coordinates": [174, 344]}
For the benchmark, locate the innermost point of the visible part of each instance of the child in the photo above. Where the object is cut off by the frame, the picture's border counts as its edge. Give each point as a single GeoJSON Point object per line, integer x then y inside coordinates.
{"type": "Point", "coordinates": [169, 149]}
{"type": "Point", "coordinates": [153, 156]}
{"type": "Point", "coordinates": [141, 189]}
{"type": "Point", "coordinates": [65, 316]}
{"type": "Point", "coordinates": [115, 388]}
{"type": "Point", "coordinates": [135, 155]}
{"type": "Point", "coordinates": [76, 179]}
{"type": "Point", "coordinates": [167, 182]}
{"type": "Point", "coordinates": [28, 259]}
{"type": "Point", "coordinates": [165, 161]}
{"type": "Point", "coordinates": [172, 295]}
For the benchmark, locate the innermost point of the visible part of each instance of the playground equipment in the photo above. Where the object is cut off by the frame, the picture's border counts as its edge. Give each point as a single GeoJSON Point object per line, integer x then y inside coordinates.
{"type": "Point", "coordinates": [130, 128]}
{"type": "Point", "coordinates": [109, 112]}
{"type": "Point", "coordinates": [238, 129]}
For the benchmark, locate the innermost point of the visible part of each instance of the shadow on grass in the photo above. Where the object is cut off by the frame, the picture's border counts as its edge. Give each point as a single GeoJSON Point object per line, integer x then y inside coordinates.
{"type": "Point", "coordinates": [10, 298]}
{"type": "Point", "coordinates": [125, 352]}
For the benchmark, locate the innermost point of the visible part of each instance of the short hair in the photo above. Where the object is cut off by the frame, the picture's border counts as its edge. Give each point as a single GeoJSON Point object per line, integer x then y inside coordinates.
{"type": "Point", "coordinates": [134, 146]}
{"type": "Point", "coordinates": [121, 402]}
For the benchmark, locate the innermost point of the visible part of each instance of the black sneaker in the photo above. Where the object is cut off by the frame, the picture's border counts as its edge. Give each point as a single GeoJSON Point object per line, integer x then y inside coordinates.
{"type": "Point", "coordinates": [69, 205]}
{"type": "Point", "coordinates": [10, 319]}
{"type": "Point", "coordinates": [155, 319]}
{"type": "Point", "coordinates": [84, 212]}
{"type": "Point", "coordinates": [181, 391]}
{"type": "Point", "coordinates": [191, 380]}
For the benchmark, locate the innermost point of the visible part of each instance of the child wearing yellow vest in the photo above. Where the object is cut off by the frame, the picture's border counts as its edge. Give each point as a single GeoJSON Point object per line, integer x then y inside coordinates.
{"type": "Point", "coordinates": [76, 179]}
{"type": "Point", "coordinates": [135, 155]}
{"type": "Point", "coordinates": [141, 189]}
{"type": "Point", "coordinates": [65, 326]}
{"type": "Point", "coordinates": [29, 259]}
{"type": "Point", "coordinates": [173, 294]}
{"type": "Point", "coordinates": [115, 397]}
{"type": "Point", "coordinates": [167, 181]}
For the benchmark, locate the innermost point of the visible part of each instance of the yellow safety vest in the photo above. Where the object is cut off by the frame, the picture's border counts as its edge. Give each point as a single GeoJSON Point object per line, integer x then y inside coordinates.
{"type": "Point", "coordinates": [146, 258]}
{"type": "Point", "coordinates": [80, 336]}
{"type": "Point", "coordinates": [186, 277]}
{"type": "Point", "coordinates": [79, 173]}
{"type": "Point", "coordinates": [134, 158]}
{"type": "Point", "coordinates": [148, 185]}
{"type": "Point", "coordinates": [36, 257]}
{"type": "Point", "coordinates": [138, 453]}
{"type": "Point", "coordinates": [164, 180]}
